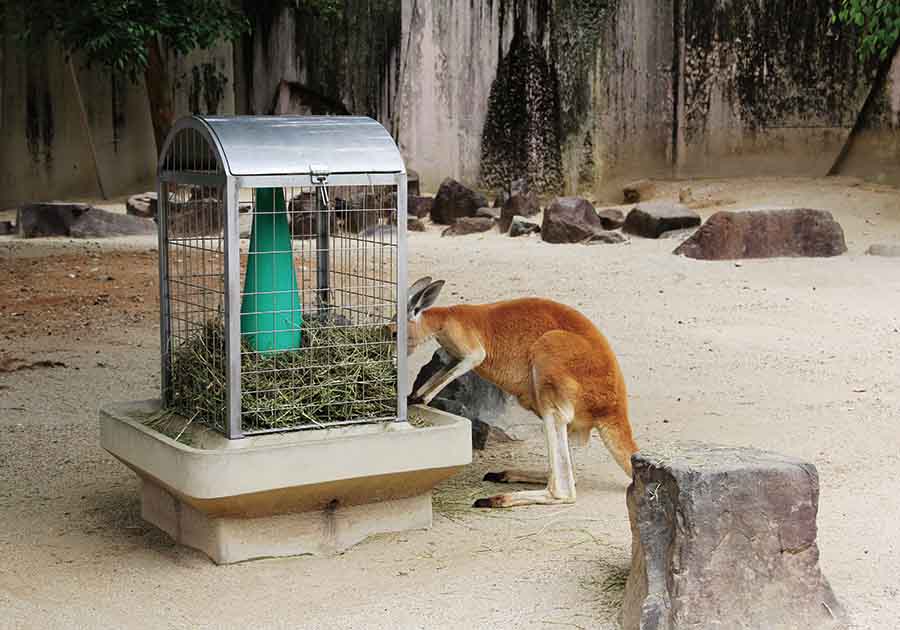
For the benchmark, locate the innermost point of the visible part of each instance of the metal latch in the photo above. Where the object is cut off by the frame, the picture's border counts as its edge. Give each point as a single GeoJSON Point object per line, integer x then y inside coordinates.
{"type": "Point", "coordinates": [318, 174]}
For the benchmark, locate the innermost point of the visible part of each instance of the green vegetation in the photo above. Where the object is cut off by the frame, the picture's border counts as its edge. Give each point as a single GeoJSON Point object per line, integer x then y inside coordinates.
{"type": "Point", "coordinates": [878, 21]}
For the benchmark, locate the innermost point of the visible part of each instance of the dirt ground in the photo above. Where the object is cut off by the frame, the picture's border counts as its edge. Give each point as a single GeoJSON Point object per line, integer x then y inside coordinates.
{"type": "Point", "coordinates": [797, 355]}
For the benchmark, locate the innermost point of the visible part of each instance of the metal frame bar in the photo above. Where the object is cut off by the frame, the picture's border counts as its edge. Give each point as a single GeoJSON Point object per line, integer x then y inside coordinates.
{"type": "Point", "coordinates": [165, 333]}
{"type": "Point", "coordinates": [304, 180]}
{"type": "Point", "coordinates": [402, 284]}
{"type": "Point", "coordinates": [233, 428]}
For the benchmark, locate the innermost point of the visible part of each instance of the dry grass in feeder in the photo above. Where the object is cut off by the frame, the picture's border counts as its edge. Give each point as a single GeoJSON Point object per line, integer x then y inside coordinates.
{"type": "Point", "coordinates": [341, 373]}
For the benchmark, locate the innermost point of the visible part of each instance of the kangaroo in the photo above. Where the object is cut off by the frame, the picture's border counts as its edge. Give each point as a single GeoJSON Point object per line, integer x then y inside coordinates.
{"type": "Point", "coordinates": [547, 355]}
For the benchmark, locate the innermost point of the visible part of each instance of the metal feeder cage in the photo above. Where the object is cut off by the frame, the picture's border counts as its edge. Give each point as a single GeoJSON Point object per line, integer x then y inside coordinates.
{"type": "Point", "coordinates": [286, 329]}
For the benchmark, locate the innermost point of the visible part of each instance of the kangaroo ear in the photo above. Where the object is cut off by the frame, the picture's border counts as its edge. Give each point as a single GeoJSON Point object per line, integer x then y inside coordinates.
{"type": "Point", "coordinates": [429, 296]}
{"type": "Point", "coordinates": [415, 293]}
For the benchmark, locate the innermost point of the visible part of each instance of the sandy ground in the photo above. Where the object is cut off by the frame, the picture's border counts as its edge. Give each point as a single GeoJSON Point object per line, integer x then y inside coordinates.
{"type": "Point", "coordinates": [801, 356]}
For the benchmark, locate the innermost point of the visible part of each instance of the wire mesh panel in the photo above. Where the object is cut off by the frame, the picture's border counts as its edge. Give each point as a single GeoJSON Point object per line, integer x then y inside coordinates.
{"type": "Point", "coordinates": [195, 290]}
{"type": "Point", "coordinates": [315, 347]}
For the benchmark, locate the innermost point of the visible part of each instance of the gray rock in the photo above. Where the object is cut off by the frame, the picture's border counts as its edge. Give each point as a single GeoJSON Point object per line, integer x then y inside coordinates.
{"type": "Point", "coordinates": [419, 206]}
{"type": "Point", "coordinates": [49, 218]}
{"type": "Point", "coordinates": [766, 234]}
{"type": "Point", "coordinates": [469, 225]}
{"type": "Point", "coordinates": [7, 228]}
{"type": "Point", "coordinates": [523, 205]}
{"type": "Point", "coordinates": [380, 234]}
{"type": "Point", "coordinates": [679, 235]}
{"type": "Point", "coordinates": [522, 227]}
{"type": "Point", "coordinates": [454, 201]}
{"type": "Point", "coordinates": [605, 238]}
{"type": "Point", "coordinates": [640, 190]}
{"type": "Point", "coordinates": [98, 223]}
{"type": "Point", "coordinates": [726, 535]}
{"type": "Point", "coordinates": [469, 396]}
{"type": "Point", "coordinates": [414, 224]}
{"type": "Point", "coordinates": [143, 205]}
{"type": "Point", "coordinates": [490, 213]}
{"type": "Point", "coordinates": [611, 218]}
{"type": "Point", "coordinates": [889, 250]}
{"type": "Point", "coordinates": [652, 219]}
{"type": "Point", "coordinates": [518, 187]}
{"type": "Point", "coordinates": [570, 220]}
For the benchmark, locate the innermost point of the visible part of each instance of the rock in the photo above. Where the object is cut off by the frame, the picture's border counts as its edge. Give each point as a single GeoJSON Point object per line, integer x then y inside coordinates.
{"type": "Point", "coordinates": [412, 183]}
{"type": "Point", "coordinates": [523, 205]}
{"type": "Point", "coordinates": [143, 205]}
{"type": "Point", "coordinates": [50, 218]}
{"type": "Point", "coordinates": [380, 234]}
{"type": "Point", "coordinates": [500, 199]}
{"type": "Point", "coordinates": [652, 219]}
{"type": "Point", "coordinates": [419, 206]}
{"type": "Point", "coordinates": [766, 234]}
{"type": "Point", "coordinates": [890, 250]}
{"type": "Point", "coordinates": [469, 225]}
{"type": "Point", "coordinates": [454, 201]}
{"type": "Point", "coordinates": [679, 235]}
{"type": "Point", "coordinates": [98, 223]}
{"type": "Point", "coordinates": [490, 213]}
{"type": "Point", "coordinates": [641, 190]}
{"type": "Point", "coordinates": [414, 224]}
{"type": "Point", "coordinates": [570, 220]}
{"type": "Point", "coordinates": [521, 227]}
{"type": "Point", "coordinates": [469, 396]}
{"type": "Point", "coordinates": [611, 218]}
{"type": "Point", "coordinates": [686, 195]}
{"type": "Point", "coordinates": [605, 237]}
{"type": "Point", "coordinates": [7, 228]}
{"type": "Point", "coordinates": [725, 534]}
{"type": "Point", "coordinates": [196, 217]}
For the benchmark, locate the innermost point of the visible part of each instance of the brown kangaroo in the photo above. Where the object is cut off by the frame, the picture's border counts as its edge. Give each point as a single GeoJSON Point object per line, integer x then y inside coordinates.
{"type": "Point", "coordinates": [551, 358]}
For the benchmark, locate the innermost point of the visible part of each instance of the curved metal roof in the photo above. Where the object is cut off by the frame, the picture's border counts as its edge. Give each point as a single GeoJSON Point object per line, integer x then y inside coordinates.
{"type": "Point", "coordinates": [288, 145]}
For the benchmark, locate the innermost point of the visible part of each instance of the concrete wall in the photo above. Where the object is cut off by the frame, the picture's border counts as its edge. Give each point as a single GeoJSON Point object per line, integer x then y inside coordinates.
{"type": "Point", "coordinates": [45, 152]}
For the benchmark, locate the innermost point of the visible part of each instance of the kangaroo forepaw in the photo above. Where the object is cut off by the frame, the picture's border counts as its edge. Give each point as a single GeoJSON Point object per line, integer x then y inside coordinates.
{"type": "Point", "coordinates": [414, 399]}
{"type": "Point", "coordinates": [496, 477]}
{"type": "Point", "coordinates": [487, 502]}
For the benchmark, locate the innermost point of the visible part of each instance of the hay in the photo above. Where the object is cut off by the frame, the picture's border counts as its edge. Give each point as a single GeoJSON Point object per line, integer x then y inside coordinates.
{"type": "Point", "coordinates": [342, 373]}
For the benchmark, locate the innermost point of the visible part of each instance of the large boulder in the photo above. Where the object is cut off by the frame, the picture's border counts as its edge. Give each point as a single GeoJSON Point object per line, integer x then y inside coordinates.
{"type": "Point", "coordinates": [766, 234]}
{"type": "Point", "coordinates": [98, 223]}
{"type": "Point", "coordinates": [48, 218]}
{"type": "Point", "coordinates": [143, 205]}
{"type": "Point", "coordinates": [469, 396]}
{"type": "Point", "coordinates": [725, 537]}
{"type": "Point", "coordinates": [469, 225]}
{"type": "Point", "coordinates": [650, 220]}
{"type": "Point", "coordinates": [454, 201]}
{"type": "Point", "coordinates": [570, 220]}
{"type": "Point", "coordinates": [489, 212]}
{"type": "Point", "coordinates": [522, 205]}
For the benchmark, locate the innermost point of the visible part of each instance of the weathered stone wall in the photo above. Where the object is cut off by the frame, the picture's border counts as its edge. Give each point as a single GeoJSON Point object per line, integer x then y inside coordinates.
{"type": "Point", "coordinates": [637, 89]}
{"type": "Point", "coordinates": [765, 88]}
{"type": "Point", "coordinates": [45, 152]}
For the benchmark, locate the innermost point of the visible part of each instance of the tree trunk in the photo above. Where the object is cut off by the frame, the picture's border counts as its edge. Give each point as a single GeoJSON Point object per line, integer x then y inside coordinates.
{"type": "Point", "coordinates": [159, 93]}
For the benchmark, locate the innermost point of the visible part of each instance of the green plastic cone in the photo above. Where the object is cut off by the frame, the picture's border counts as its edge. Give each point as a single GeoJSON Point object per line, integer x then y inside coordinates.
{"type": "Point", "coordinates": [270, 311]}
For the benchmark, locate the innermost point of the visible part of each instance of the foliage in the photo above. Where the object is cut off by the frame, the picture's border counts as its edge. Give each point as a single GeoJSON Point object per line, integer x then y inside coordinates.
{"type": "Point", "coordinates": [116, 33]}
{"type": "Point", "coordinates": [879, 22]}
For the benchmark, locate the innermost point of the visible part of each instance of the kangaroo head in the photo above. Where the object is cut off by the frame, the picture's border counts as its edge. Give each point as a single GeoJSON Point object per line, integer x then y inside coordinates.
{"type": "Point", "coordinates": [422, 295]}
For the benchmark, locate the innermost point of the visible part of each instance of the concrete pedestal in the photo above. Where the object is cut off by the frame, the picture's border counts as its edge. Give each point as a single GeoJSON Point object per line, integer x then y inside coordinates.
{"type": "Point", "coordinates": [305, 492]}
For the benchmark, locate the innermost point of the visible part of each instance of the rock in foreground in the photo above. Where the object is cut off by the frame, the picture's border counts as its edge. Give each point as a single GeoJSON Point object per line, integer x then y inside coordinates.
{"type": "Point", "coordinates": [725, 537]}
{"type": "Point", "coordinates": [143, 205]}
{"type": "Point", "coordinates": [650, 220]}
{"type": "Point", "coordinates": [766, 234]}
{"type": "Point", "coordinates": [521, 227]}
{"type": "Point", "coordinates": [98, 223]}
{"type": "Point", "coordinates": [50, 218]}
{"type": "Point", "coordinates": [523, 205]}
{"type": "Point", "coordinates": [454, 201]}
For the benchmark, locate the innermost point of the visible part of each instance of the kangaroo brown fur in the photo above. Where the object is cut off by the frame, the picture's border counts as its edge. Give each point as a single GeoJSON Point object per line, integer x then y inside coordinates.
{"type": "Point", "coordinates": [550, 357]}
